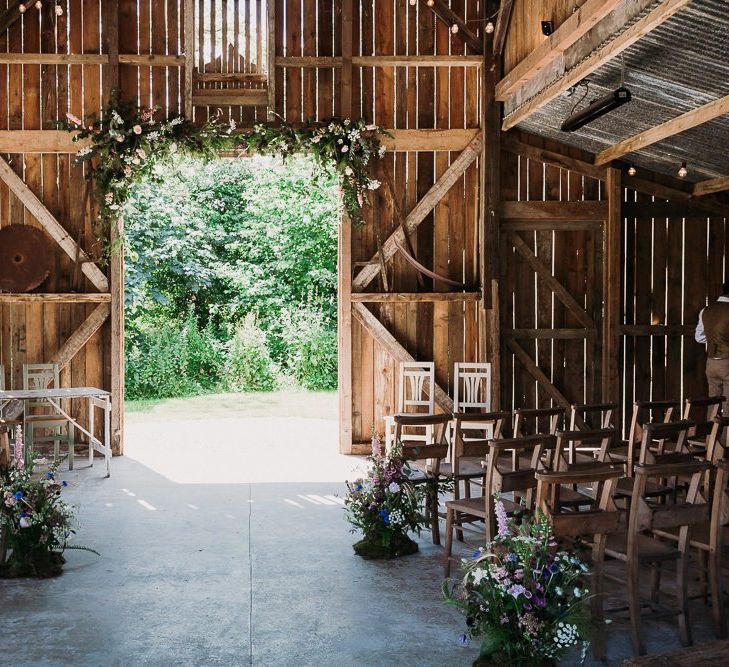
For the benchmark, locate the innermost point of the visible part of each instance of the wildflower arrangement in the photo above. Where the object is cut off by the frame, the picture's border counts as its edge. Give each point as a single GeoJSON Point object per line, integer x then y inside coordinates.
{"type": "Point", "coordinates": [386, 505]}
{"type": "Point", "coordinates": [127, 144]}
{"type": "Point", "coordinates": [523, 596]}
{"type": "Point", "coordinates": [34, 520]}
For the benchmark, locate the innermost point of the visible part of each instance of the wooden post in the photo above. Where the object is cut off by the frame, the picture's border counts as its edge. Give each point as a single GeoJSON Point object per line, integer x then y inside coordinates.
{"type": "Point", "coordinates": [611, 289]}
{"type": "Point", "coordinates": [489, 239]}
{"type": "Point", "coordinates": [116, 263]}
{"type": "Point", "coordinates": [189, 59]}
{"type": "Point", "coordinates": [344, 267]}
{"type": "Point", "coordinates": [345, 90]}
{"type": "Point", "coordinates": [271, 56]}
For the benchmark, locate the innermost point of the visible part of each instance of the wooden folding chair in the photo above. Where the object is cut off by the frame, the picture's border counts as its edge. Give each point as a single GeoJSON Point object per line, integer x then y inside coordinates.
{"type": "Point", "coordinates": [593, 416]}
{"type": "Point", "coordinates": [643, 412]}
{"type": "Point", "coordinates": [701, 410]}
{"type": "Point", "coordinates": [40, 415]}
{"type": "Point", "coordinates": [640, 546]}
{"type": "Point", "coordinates": [466, 459]}
{"type": "Point", "coordinates": [501, 478]}
{"type": "Point", "coordinates": [534, 421]}
{"type": "Point", "coordinates": [425, 459]}
{"type": "Point", "coordinates": [416, 395]}
{"type": "Point", "coordinates": [600, 519]}
{"type": "Point", "coordinates": [7, 427]}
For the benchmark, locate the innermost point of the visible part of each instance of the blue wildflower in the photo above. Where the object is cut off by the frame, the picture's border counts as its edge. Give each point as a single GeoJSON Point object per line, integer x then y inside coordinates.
{"type": "Point", "coordinates": [553, 568]}
{"type": "Point", "coordinates": [385, 514]}
{"type": "Point", "coordinates": [359, 487]}
{"type": "Point", "coordinates": [476, 554]}
{"type": "Point", "coordinates": [64, 483]}
{"type": "Point", "coordinates": [19, 495]}
{"type": "Point", "coordinates": [49, 475]}
{"type": "Point", "coordinates": [463, 640]}
{"type": "Point", "coordinates": [511, 558]}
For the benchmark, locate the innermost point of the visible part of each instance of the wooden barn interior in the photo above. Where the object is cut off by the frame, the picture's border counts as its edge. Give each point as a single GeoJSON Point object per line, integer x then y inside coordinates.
{"type": "Point", "coordinates": [578, 281]}
{"type": "Point", "coordinates": [575, 262]}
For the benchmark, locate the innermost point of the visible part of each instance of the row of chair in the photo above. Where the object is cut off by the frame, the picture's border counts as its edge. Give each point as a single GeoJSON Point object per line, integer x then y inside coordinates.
{"type": "Point", "coordinates": [41, 422]}
{"type": "Point", "coordinates": [669, 479]}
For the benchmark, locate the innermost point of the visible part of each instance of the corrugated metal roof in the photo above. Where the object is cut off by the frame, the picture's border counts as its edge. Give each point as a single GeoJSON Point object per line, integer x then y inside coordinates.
{"type": "Point", "coordinates": [679, 66]}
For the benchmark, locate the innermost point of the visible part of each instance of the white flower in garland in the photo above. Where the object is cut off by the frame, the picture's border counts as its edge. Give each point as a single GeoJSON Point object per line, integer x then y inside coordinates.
{"type": "Point", "coordinates": [137, 129]}
{"type": "Point", "coordinates": [566, 635]}
{"type": "Point", "coordinates": [86, 150]}
{"type": "Point", "coordinates": [374, 184]}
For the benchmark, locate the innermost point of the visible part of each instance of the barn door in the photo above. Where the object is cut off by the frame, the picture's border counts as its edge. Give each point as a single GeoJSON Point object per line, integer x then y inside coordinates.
{"type": "Point", "coordinates": [551, 308]}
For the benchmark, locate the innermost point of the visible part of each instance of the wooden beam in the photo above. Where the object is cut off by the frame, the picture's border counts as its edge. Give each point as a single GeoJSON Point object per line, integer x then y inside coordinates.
{"type": "Point", "coordinates": [10, 15]}
{"type": "Point", "coordinates": [576, 26]}
{"type": "Point", "coordinates": [328, 62]}
{"type": "Point", "coordinates": [151, 60]}
{"type": "Point", "coordinates": [146, 60]}
{"type": "Point", "coordinates": [547, 334]}
{"type": "Point", "coordinates": [586, 56]}
{"type": "Point", "coordinates": [711, 186]}
{"type": "Point", "coordinates": [658, 329]}
{"type": "Point", "coordinates": [513, 145]}
{"type": "Point", "coordinates": [344, 335]}
{"type": "Point", "coordinates": [271, 57]}
{"type": "Point", "coordinates": [78, 339]}
{"type": "Point", "coordinates": [52, 227]}
{"type": "Point", "coordinates": [347, 46]}
{"type": "Point", "coordinates": [502, 26]}
{"type": "Point", "coordinates": [61, 141]}
{"type": "Point", "coordinates": [612, 285]}
{"type": "Point", "coordinates": [554, 210]}
{"type": "Point", "coordinates": [225, 77]}
{"type": "Point", "coordinates": [414, 297]}
{"type": "Point", "coordinates": [429, 140]}
{"type": "Point", "coordinates": [189, 46]}
{"type": "Point", "coordinates": [221, 97]}
{"type": "Point", "coordinates": [685, 121]}
{"type": "Point", "coordinates": [37, 297]}
{"type": "Point", "coordinates": [419, 213]}
{"type": "Point", "coordinates": [379, 332]}
{"type": "Point", "coordinates": [545, 274]}
{"type": "Point", "coordinates": [537, 373]}
{"type": "Point", "coordinates": [710, 205]}
{"type": "Point", "coordinates": [535, 225]}
{"type": "Point", "coordinates": [443, 11]}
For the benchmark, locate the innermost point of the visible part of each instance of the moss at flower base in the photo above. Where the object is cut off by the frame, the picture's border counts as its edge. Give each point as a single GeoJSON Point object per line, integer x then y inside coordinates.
{"type": "Point", "coordinates": [41, 564]}
{"type": "Point", "coordinates": [377, 548]}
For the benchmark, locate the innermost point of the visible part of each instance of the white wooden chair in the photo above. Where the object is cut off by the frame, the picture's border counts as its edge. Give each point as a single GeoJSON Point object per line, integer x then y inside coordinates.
{"type": "Point", "coordinates": [415, 395]}
{"type": "Point", "coordinates": [40, 415]}
{"type": "Point", "coordinates": [471, 393]}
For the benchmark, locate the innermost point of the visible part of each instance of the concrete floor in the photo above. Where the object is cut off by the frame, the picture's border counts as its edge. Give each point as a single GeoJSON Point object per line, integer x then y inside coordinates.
{"type": "Point", "coordinates": [223, 542]}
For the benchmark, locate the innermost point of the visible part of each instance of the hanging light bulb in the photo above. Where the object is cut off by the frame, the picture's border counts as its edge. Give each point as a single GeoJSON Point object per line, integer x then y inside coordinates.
{"type": "Point", "coordinates": [38, 4]}
{"type": "Point", "coordinates": [430, 3]}
{"type": "Point", "coordinates": [22, 8]}
{"type": "Point", "coordinates": [59, 10]}
{"type": "Point", "coordinates": [413, 2]}
{"type": "Point", "coordinates": [683, 171]}
{"type": "Point", "coordinates": [489, 28]}
{"type": "Point", "coordinates": [454, 28]}
{"type": "Point", "coordinates": [632, 171]}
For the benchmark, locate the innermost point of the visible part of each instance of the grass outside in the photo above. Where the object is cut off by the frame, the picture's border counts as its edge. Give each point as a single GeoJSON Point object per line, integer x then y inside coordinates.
{"type": "Point", "coordinates": [285, 403]}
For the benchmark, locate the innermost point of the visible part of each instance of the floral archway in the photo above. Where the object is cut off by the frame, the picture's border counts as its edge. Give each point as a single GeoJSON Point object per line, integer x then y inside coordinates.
{"type": "Point", "coordinates": [126, 145]}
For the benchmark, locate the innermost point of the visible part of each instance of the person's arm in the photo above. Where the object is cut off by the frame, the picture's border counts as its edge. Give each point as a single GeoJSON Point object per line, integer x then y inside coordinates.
{"type": "Point", "coordinates": [700, 334]}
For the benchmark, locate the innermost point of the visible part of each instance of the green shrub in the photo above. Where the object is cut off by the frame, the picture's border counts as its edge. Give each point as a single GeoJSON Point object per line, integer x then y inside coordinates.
{"type": "Point", "coordinates": [249, 366]}
{"type": "Point", "coordinates": [311, 342]}
{"type": "Point", "coordinates": [167, 359]}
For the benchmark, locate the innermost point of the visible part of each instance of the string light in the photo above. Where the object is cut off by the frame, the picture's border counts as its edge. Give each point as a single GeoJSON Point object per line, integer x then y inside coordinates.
{"type": "Point", "coordinates": [683, 171]}
{"type": "Point", "coordinates": [632, 171]}
{"type": "Point", "coordinates": [38, 4]}
{"type": "Point", "coordinates": [454, 28]}
{"type": "Point", "coordinates": [22, 8]}
{"type": "Point", "coordinates": [489, 27]}
{"type": "Point", "coordinates": [59, 9]}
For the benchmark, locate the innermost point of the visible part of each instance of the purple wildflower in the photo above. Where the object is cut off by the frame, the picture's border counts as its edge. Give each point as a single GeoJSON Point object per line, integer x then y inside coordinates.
{"type": "Point", "coordinates": [501, 519]}
{"type": "Point", "coordinates": [516, 590]}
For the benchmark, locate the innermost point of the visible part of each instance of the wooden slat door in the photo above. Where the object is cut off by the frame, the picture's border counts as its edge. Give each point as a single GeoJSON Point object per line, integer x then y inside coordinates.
{"type": "Point", "coordinates": [551, 304]}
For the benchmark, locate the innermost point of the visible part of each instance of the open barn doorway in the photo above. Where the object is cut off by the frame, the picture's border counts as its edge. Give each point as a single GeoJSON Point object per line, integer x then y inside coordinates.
{"type": "Point", "coordinates": [231, 279]}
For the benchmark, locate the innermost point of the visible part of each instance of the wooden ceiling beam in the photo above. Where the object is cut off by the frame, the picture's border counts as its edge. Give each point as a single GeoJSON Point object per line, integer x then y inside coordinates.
{"type": "Point", "coordinates": [584, 57]}
{"type": "Point", "coordinates": [685, 121]}
{"type": "Point", "coordinates": [711, 186]}
{"type": "Point", "coordinates": [502, 25]}
{"type": "Point", "coordinates": [10, 16]}
{"type": "Point", "coordinates": [443, 11]}
{"type": "Point", "coordinates": [572, 30]}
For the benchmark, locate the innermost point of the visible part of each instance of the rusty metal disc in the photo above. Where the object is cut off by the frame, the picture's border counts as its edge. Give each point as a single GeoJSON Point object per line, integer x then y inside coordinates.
{"type": "Point", "coordinates": [26, 258]}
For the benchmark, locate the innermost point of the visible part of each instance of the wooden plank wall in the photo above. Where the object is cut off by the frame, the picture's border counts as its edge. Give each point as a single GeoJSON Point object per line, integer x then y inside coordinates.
{"type": "Point", "coordinates": [396, 97]}
{"type": "Point", "coordinates": [530, 308]}
{"type": "Point", "coordinates": [672, 268]}
{"type": "Point", "coordinates": [428, 98]}
{"type": "Point", "coordinates": [34, 97]}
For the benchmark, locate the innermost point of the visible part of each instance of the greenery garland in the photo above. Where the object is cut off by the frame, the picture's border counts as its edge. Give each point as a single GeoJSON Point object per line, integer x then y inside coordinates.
{"type": "Point", "coordinates": [126, 145]}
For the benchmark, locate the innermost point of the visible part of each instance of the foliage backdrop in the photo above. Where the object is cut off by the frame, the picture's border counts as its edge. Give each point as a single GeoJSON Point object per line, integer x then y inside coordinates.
{"type": "Point", "coordinates": [231, 278]}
